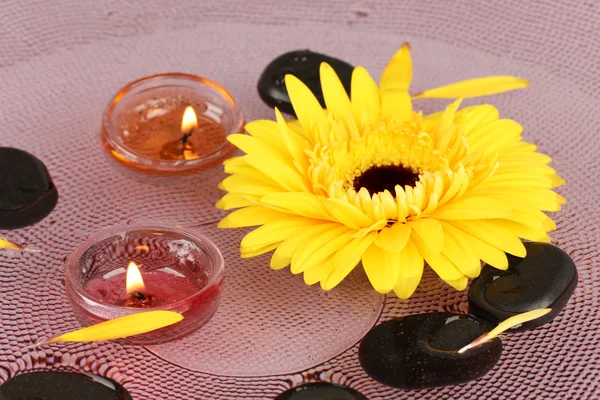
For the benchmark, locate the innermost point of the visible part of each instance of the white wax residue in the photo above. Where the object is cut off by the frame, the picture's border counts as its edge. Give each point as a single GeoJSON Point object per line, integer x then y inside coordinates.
{"type": "Point", "coordinates": [115, 272]}
{"type": "Point", "coordinates": [173, 272]}
{"type": "Point", "coordinates": [156, 112]}
{"type": "Point", "coordinates": [214, 112]}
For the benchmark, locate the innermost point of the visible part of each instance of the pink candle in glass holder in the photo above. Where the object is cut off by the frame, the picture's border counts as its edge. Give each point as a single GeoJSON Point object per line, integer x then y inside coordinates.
{"type": "Point", "coordinates": [172, 269]}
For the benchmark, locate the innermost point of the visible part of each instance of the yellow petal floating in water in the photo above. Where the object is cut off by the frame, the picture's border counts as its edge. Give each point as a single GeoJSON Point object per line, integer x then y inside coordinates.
{"type": "Point", "coordinates": [8, 245]}
{"type": "Point", "coordinates": [129, 325]}
{"type": "Point", "coordinates": [505, 325]}
{"type": "Point", "coordinates": [517, 320]}
{"type": "Point", "coordinates": [474, 88]}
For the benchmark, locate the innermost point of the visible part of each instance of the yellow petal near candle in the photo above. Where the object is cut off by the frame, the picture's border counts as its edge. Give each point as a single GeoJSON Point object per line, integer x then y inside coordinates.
{"type": "Point", "coordinates": [129, 325]}
{"type": "Point", "coordinates": [505, 325]}
{"type": "Point", "coordinates": [6, 244]}
{"type": "Point", "coordinates": [517, 320]}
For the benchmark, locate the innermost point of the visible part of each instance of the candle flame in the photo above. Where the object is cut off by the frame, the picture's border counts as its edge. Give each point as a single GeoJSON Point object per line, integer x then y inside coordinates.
{"type": "Point", "coordinates": [134, 282]}
{"type": "Point", "coordinates": [189, 121]}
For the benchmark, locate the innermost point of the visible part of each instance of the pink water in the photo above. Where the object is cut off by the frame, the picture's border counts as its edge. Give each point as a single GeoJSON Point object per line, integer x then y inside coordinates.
{"type": "Point", "coordinates": [166, 287]}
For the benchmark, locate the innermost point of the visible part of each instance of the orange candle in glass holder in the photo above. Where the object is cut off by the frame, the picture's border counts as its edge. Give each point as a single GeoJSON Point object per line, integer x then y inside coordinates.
{"type": "Point", "coordinates": [170, 124]}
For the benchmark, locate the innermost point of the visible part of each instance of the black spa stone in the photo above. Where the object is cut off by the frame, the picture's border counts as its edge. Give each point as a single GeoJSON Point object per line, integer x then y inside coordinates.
{"type": "Point", "coordinates": [62, 386]}
{"type": "Point", "coordinates": [321, 391]}
{"type": "Point", "coordinates": [421, 351]}
{"type": "Point", "coordinates": [545, 278]}
{"type": "Point", "coordinates": [27, 193]}
{"type": "Point", "coordinates": [304, 65]}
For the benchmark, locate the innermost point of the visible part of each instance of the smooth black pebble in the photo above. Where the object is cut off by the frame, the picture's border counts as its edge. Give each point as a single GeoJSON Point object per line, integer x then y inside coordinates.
{"type": "Point", "coordinates": [304, 65]}
{"type": "Point", "coordinates": [27, 193]}
{"type": "Point", "coordinates": [545, 278]}
{"type": "Point", "coordinates": [421, 351]}
{"type": "Point", "coordinates": [321, 391]}
{"type": "Point", "coordinates": [62, 386]}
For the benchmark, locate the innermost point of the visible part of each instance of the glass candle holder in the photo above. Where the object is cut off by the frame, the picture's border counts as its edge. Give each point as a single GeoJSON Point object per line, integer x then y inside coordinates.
{"type": "Point", "coordinates": [182, 272]}
{"type": "Point", "coordinates": [142, 124]}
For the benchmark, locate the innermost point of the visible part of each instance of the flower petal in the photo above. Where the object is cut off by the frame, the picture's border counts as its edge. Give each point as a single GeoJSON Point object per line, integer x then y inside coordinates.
{"type": "Point", "coordinates": [365, 98]}
{"type": "Point", "coordinates": [396, 105]}
{"type": "Point", "coordinates": [285, 252]}
{"type": "Point", "coordinates": [268, 132]}
{"type": "Point", "coordinates": [393, 85]}
{"type": "Point", "coordinates": [294, 142]}
{"type": "Point", "coordinates": [411, 270]}
{"type": "Point", "coordinates": [438, 262]}
{"type": "Point", "coordinates": [336, 98]}
{"type": "Point", "coordinates": [319, 248]}
{"type": "Point", "coordinates": [394, 238]}
{"type": "Point", "coordinates": [319, 271]}
{"type": "Point", "coordinates": [523, 231]}
{"type": "Point", "coordinates": [459, 284]}
{"type": "Point", "coordinates": [377, 226]}
{"type": "Point", "coordinates": [121, 327]}
{"type": "Point", "coordinates": [398, 73]}
{"type": "Point", "coordinates": [477, 116]}
{"type": "Point", "coordinates": [347, 214]}
{"type": "Point", "coordinates": [495, 234]}
{"type": "Point", "coordinates": [346, 259]}
{"type": "Point", "coordinates": [276, 231]}
{"type": "Point", "coordinates": [8, 245]}
{"type": "Point", "coordinates": [311, 115]}
{"type": "Point", "coordinates": [235, 200]}
{"type": "Point", "coordinates": [251, 216]}
{"type": "Point", "coordinates": [286, 176]}
{"type": "Point", "coordinates": [405, 287]}
{"type": "Point", "coordinates": [258, 251]}
{"type": "Point", "coordinates": [382, 268]}
{"type": "Point", "coordinates": [459, 251]}
{"type": "Point", "coordinates": [305, 204]}
{"type": "Point", "coordinates": [494, 135]}
{"type": "Point", "coordinates": [544, 198]}
{"type": "Point", "coordinates": [244, 185]}
{"type": "Point", "coordinates": [474, 87]}
{"type": "Point", "coordinates": [471, 207]}
{"type": "Point", "coordinates": [430, 231]}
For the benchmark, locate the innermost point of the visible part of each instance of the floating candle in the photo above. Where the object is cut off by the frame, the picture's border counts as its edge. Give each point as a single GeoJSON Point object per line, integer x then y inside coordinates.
{"type": "Point", "coordinates": [171, 123]}
{"type": "Point", "coordinates": [172, 269]}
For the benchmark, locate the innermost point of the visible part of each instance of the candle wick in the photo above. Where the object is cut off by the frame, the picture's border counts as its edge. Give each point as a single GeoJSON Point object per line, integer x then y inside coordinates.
{"type": "Point", "coordinates": [185, 136]}
{"type": "Point", "coordinates": [138, 295]}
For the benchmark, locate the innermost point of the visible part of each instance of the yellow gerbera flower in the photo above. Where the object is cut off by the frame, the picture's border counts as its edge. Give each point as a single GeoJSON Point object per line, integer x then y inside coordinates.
{"type": "Point", "coordinates": [368, 179]}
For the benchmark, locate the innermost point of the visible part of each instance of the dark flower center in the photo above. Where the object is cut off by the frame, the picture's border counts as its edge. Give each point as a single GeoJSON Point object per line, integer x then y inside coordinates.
{"type": "Point", "coordinates": [378, 179]}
